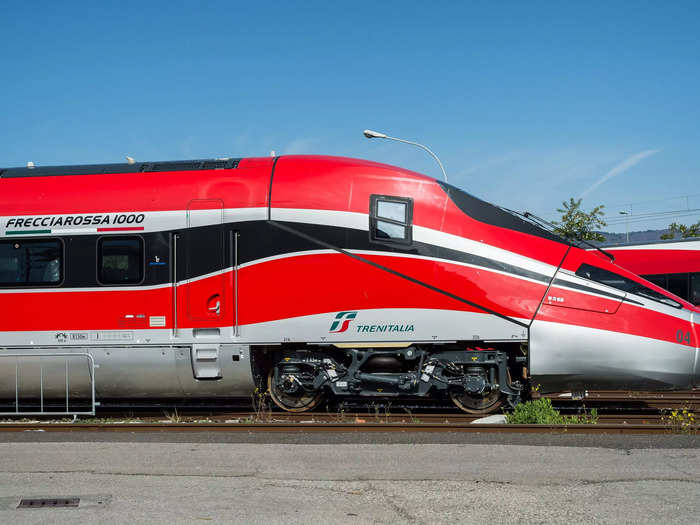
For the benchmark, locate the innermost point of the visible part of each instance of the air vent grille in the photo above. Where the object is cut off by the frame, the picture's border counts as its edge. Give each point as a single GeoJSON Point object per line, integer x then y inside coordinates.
{"type": "Point", "coordinates": [190, 165]}
{"type": "Point", "coordinates": [95, 169]}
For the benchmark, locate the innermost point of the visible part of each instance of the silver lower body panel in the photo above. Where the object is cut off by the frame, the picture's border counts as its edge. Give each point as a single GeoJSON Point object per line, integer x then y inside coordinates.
{"type": "Point", "coordinates": [127, 372]}
{"type": "Point", "coordinates": [565, 357]}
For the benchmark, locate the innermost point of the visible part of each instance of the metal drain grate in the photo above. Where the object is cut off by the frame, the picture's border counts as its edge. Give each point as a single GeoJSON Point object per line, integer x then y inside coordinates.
{"type": "Point", "coordinates": [41, 503]}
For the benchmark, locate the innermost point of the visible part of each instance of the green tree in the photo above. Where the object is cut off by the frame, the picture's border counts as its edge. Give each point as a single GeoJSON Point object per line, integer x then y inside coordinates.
{"type": "Point", "coordinates": [686, 232]}
{"type": "Point", "coordinates": [578, 224]}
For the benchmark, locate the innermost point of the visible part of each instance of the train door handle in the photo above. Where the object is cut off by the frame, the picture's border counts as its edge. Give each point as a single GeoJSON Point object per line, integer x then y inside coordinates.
{"type": "Point", "coordinates": [216, 308]}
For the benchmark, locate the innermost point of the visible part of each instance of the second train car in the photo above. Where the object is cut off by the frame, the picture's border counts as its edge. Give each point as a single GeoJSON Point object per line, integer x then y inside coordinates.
{"type": "Point", "coordinates": [673, 265]}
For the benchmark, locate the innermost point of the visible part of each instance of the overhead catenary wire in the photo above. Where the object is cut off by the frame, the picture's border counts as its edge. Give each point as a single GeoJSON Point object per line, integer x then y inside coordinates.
{"type": "Point", "coordinates": [628, 219]}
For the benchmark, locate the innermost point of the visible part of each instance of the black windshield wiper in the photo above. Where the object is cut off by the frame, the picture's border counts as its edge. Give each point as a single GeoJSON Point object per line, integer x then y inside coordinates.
{"type": "Point", "coordinates": [655, 296]}
{"type": "Point", "coordinates": [554, 230]}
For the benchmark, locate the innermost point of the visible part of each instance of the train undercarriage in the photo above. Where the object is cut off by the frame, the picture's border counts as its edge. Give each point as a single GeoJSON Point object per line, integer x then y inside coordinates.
{"type": "Point", "coordinates": [477, 380]}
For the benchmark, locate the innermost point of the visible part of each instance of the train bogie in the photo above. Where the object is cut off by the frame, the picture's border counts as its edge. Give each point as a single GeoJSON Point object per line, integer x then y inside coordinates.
{"type": "Point", "coordinates": [478, 380]}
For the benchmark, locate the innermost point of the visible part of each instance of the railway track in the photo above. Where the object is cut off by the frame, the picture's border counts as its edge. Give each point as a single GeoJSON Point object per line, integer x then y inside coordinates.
{"type": "Point", "coordinates": [250, 422]}
{"type": "Point", "coordinates": [357, 418]}
{"type": "Point", "coordinates": [610, 400]}
{"type": "Point", "coordinates": [629, 395]}
{"type": "Point", "coordinates": [619, 412]}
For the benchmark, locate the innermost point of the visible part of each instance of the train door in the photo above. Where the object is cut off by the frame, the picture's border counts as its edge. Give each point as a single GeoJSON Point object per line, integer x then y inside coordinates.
{"type": "Point", "coordinates": [204, 262]}
{"type": "Point", "coordinates": [201, 293]}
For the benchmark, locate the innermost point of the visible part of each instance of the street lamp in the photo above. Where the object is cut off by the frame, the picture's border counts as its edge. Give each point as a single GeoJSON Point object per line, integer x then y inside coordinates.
{"type": "Point", "coordinates": [376, 135]}
{"type": "Point", "coordinates": [627, 229]}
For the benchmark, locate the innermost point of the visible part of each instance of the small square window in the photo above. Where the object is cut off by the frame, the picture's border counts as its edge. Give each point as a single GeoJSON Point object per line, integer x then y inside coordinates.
{"type": "Point", "coordinates": [120, 260]}
{"type": "Point", "coordinates": [390, 219]}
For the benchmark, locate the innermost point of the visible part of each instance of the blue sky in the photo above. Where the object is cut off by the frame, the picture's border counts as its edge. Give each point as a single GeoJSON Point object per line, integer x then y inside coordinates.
{"type": "Point", "coordinates": [526, 103]}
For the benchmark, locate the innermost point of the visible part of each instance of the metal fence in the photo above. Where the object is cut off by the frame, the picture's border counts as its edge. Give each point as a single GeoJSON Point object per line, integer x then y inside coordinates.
{"type": "Point", "coordinates": [42, 380]}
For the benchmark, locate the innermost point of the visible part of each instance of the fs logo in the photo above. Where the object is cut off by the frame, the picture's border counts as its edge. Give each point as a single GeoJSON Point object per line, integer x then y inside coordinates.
{"type": "Point", "coordinates": [341, 322]}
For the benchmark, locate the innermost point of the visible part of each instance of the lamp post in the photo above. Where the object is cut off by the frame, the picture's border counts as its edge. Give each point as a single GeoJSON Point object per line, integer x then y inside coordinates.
{"type": "Point", "coordinates": [376, 135]}
{"type": "Point", "coordinates": [627, 229]}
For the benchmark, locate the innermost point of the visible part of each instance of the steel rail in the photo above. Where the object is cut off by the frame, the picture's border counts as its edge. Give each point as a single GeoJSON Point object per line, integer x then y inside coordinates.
{"type": "Point", "coordinates": [653, 400]}
{"type": "Point", "coordinates": [360, 418]}
{"type": "Point", "coordinates": [357, 418]}
{"type": "Point", "coordinates": [604, 428]}
{"type": "Point", "coordinates": [604, 395]}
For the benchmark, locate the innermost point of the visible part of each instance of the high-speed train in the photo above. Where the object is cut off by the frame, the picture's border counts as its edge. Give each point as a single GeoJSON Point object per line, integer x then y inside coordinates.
{"type": "Point", "coordinates": [313, 276]}
{"type": "Point", "coordinates": [674, 264]}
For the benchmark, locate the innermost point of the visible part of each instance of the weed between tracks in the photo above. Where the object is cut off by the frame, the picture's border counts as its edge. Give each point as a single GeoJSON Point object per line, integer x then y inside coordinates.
{"type": "Point", "coordinates": [261, 407]}
{"type": "Point", "coordinates": [680, 420]}
{"type": "Point", "coordinates": [541, 412]}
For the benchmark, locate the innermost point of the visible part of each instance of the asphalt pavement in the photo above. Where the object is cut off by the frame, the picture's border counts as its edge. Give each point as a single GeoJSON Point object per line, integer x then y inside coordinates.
{"type": "Point", "coordinates": [175, 477]}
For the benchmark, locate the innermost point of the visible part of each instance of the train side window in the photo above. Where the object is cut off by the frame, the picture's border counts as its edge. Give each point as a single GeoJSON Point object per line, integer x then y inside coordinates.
{"type": "Point", "coordinates": [695, 288]}
{"type": "Point", "coordinates": [678, 284]}
{"type": "Point", "coordinates": [658, 280]}
{"type": "Point", "coordinates": [33, 262]}
{"type": "Point", "coordinates": [390, 219]}
{"type": "Point", "coordinates": [599, 275]}
{"type": "Point", "coordinates": [120, 260]}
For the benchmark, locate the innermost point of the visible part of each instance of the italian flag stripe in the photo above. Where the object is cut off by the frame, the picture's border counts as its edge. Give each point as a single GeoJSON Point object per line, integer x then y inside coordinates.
{"type": "Point", "coordinates": [128, 229]}
{"type": "Point", "coordinates": [74, 230]}
{"type": "Point", "coordinates": [26, 232]}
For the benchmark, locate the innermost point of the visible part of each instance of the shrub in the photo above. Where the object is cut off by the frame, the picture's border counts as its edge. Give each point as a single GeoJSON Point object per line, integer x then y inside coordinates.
{"type": "Point", "coordinates": [541, 412]}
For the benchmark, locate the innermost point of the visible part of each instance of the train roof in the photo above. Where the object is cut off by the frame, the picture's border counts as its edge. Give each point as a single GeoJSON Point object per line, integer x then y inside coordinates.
{"type": "Point", "coordinates": [648, 244]}
{"type": "Point", "coordinates": [124, 167]}
{"type": "Point", "coordinates": [183, 165]}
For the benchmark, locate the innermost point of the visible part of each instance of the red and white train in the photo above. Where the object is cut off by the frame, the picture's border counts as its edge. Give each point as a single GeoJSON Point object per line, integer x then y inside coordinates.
{"type": "Point", "coordinates": [313, 275]}
{"type": "Point", "coordinates": [673, 265]}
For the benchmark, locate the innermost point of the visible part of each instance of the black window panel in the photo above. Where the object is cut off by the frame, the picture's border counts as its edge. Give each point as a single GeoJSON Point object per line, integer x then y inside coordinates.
{"type": "Point", "coordinates": [678, 284]}
{"type": "Point", "coordinates": [658, 280]}
{"type": "Point", "coordinates": [695, 288]}
{"type": "Point", "coordinates": [390, 219]}
{"type": "Point", "coordinates": [120, 260]}
{"type": "Point", "coordinates": [202, 249]}
{"type": "Point", "coordinates": [32, 262]}
{"type": "Point", "coordinates": [615, 280]}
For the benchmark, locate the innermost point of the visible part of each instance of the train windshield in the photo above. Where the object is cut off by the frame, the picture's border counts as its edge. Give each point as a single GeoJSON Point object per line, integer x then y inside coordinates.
{"type": "Point", "coordinates": [615, 280]}
{"type": "Point", "coordinates": [488, 213]}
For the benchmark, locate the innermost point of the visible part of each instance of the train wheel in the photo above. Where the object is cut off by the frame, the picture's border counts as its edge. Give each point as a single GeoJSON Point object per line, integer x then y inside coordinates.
{"type": "Point", "coordinates": [290, 399]}
{"type": "Point", "coordinates": [475, 404]}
